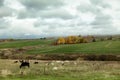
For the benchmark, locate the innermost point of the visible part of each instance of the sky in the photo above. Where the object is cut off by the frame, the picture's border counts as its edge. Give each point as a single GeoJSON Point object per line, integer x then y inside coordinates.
{"type": "Point", "coordinates": [50, 18]}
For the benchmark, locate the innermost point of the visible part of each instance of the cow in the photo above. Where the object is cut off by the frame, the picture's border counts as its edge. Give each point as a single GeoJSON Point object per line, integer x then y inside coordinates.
{"type": "Point", "coordinates": [24, 64]}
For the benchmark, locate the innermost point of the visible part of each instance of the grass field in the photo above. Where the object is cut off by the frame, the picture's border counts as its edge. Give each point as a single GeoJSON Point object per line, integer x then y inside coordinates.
{"type": "Point", "coordinates": [105, 47]}
{"type": "Point", "coordinates": [79, 70]}
{"type": "Point", "coordinates": [23, 43]}
{"type": "Point", "coordinates": [71, 70]}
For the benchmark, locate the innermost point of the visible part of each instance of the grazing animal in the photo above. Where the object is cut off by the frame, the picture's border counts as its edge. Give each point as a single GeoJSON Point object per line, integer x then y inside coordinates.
{"type": "Point", "coordinates": [15, 61]}
{"type": "Point", "coordinates": [62, 63]}
{"type": "Point", "coordinates": [24, 64]}
{"type": "Point", "coordinates": [48, 63]}
{"type": "Point", "coordinates": [36, 62]}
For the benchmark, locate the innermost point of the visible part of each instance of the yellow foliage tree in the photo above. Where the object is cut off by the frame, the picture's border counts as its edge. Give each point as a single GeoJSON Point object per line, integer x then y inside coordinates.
{"type": "Point", "coordinates": [60, 40]}
{"type": "Point", "coordinates": [72, 39]}
{"type": "Point", "coordinates": [83, 40]}
{"type": "Point", "coordinates": [69, 40]}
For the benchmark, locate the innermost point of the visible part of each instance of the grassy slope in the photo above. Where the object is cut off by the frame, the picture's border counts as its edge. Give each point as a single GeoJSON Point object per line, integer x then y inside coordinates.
{"type": "Point", "coordinates": [108, 47]}
{"type": "Point", "coordinates": [23, 43]}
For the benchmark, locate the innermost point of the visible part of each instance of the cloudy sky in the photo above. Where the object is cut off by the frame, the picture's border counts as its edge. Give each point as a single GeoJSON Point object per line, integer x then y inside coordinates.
{"type": "Point", "coordinates": [48, 18]}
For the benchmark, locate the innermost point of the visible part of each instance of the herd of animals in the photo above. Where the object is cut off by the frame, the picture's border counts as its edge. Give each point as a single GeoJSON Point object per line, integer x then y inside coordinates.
{"type": "Point", "coordinates": [26, 63]}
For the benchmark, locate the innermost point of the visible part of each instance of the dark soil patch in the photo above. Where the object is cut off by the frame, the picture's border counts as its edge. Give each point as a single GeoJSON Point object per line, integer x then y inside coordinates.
{"type": "Point", "coordinates": [17, 54]}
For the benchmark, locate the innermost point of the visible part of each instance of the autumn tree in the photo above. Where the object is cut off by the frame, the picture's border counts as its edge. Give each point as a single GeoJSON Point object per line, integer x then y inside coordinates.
{"type": "Point", "coordinates": [72, 39]}
{"type": "Point", "coordinates": [60, 40]}
{"type": "Point", "coordinates": [83, 40]}
{"type": "Point", "coordinates": [69, 40]}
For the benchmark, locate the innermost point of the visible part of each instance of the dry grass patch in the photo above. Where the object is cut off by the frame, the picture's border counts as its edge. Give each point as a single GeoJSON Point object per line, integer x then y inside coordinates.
{"type": "Point", "coordinates": [85, 70]}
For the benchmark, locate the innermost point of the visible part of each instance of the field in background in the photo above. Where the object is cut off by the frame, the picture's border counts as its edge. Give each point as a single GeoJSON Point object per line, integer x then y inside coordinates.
{"type": "Point", "coordinates": [61, 70]}
{"type": "Point", "coordinates": [104, 47]}
{"type": "Point", "coordinates": [100, 47]}
{"type": "Point", "coordinates": [23, 43]}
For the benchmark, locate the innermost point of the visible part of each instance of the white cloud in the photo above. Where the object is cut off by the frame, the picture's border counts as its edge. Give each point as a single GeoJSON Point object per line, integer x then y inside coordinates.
{"type": "Point", "coordinates": [36, 18]}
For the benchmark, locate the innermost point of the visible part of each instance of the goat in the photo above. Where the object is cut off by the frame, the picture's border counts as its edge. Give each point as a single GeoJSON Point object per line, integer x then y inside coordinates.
{"type": "Point", "coordinates": [24, 64]}
{"type": "Point", "coordinates": [36, 62]}
{"type": "Point", "coordinates": [15, 61]}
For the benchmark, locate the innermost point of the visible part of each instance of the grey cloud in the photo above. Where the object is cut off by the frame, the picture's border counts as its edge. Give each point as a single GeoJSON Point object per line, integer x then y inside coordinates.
{"type": "Point", "coordinates": [37, 24]}
{"type": "Point", "coordinates": [88, 8]}
{"type": "Point", "coordinates": [28, 14]}
{"type": "Point", "coordinates": [52, 13]}
{"type": "Point", "coordinates": [56, 14]}
{"type": "Point", "coordinates": [95, 7]}
{"type": "Point", "coordinates": [25, 14]}
{"type": "Point", "coordinates": [102, 19]}
{"type": "Point", "coordinates": [44, 9]}
{"type": "Point", "coordinates": [103, 27]}
{"type": "Point", "coordinates": [100, 3]}
{"type": "Point", "coordinates": [55, 20]}
{"type": "Point", "coordinates": [1, 2]}
{"type": "Point", "coordinates": [4, 24]}
{"type": "Point", "coordinates": [5, 11]}
{"type": "Point", "coordinates": [41, 4]}
{"type": "Point", "coordinates": [54, 24]}
{"type": "Point", "coordinates": [108, 29]}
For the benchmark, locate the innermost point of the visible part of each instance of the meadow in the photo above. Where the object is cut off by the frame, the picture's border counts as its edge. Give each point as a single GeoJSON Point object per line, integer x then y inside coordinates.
{"type": "Point", "coordinates": [100, 47]}
{"type": "Point", "coordinates": [61, 70]}
{"type": "Point", "coordinates": [104, 47]}
{"type": "Point", "coordinates": [23, 43]}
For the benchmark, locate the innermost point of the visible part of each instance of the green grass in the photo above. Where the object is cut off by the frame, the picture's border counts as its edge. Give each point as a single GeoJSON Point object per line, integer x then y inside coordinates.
{"type": "Point", "coordinates": [39, 78]}
{"type": "Point", "coordinates": [105, 47]}
{"type": "Point", "coordinates": [57, 78]}
{"type": "Point", "coordinates": [83, 70]}
{"type": "Point", "coordinates": [23, 43]}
